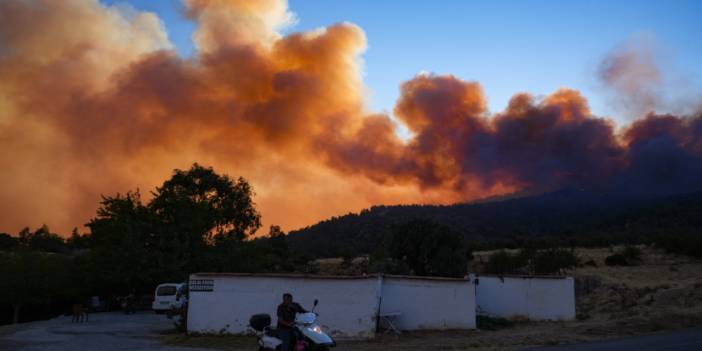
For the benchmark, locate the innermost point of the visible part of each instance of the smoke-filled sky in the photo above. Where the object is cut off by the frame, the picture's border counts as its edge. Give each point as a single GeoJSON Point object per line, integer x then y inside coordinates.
{"type": "Point", "coordinates": [99, 98]}
{"type": "Point", "coordinates": [508, 46]}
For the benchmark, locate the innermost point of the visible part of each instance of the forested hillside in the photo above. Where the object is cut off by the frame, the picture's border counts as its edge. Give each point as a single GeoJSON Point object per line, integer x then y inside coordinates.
{"type": "Point", "coordinates": [572, 216]}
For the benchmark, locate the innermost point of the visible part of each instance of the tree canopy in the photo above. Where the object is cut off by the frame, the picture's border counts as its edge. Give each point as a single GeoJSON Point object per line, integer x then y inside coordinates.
{"type": "Point", "coordinates": [428, 248]}
{"type": "Point", "coordinates": [175, 233]}
{"type": "Point", "coordinates": [214, 205]}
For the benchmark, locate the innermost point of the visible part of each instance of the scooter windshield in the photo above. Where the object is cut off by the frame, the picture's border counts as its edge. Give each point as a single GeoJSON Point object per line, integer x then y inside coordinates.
{"type": "Point", "coordinates": [306, 318]}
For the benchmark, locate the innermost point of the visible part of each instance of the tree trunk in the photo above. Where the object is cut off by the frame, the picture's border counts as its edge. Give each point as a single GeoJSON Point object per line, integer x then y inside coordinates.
{"type": "Point", "coordinates": [15, 314]}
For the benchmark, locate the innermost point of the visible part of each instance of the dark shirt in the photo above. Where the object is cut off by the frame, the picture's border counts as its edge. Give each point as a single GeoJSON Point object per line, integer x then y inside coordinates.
{"type": "Point", "coordinates": [287, 313]}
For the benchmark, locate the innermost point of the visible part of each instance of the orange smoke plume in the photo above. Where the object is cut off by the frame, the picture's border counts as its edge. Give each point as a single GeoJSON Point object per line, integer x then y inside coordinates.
{"type": "Point", "coordinates": [111, 107]}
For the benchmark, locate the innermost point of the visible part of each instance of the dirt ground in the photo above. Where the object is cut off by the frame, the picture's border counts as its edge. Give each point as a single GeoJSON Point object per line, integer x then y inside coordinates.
{"type": "Point", "coordinates": [663, 292]}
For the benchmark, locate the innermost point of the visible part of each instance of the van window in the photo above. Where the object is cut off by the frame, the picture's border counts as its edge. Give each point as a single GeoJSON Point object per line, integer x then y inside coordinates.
{"type": "Point", "coordinates": [168, 290]}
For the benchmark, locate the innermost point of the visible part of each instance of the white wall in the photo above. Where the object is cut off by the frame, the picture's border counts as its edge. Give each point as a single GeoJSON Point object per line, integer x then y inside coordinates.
{"type": "Point", "coordinates": [536, 298]}
{"type": "Point", "coordinates": [428, 303]}
{"type": "Point", "coordinates": [347, 307]}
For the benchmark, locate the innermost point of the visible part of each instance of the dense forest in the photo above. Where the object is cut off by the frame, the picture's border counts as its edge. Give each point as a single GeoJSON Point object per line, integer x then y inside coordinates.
{"type": "Point", "coordinates": [568, 217]}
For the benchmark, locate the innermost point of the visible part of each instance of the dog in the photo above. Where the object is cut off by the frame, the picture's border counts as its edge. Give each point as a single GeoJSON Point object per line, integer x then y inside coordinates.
{"type": "Point", "coordinates": [80, 314]}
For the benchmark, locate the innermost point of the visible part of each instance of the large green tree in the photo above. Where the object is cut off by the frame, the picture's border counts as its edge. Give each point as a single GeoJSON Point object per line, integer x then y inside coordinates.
{"type": "Point", "coordinates": [205, 205]}
{"type": "Point", "coordinates": [136, 245]}
{"type": "Point", "coordinates": [198, 208]}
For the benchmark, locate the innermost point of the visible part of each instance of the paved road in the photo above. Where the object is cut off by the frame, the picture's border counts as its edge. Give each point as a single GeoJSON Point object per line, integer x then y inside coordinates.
{"type": "Point", "coordinates": [104, 332]}
{"type": "Point", "coordinates": [681, 340]}
{"type": "Point", "coordinates": [141, 332]}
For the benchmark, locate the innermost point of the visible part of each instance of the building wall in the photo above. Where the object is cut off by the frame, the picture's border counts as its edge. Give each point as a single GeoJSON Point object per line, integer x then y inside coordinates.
{"type": "Point", "coordinates": [429, 304]}
{"type": "Point", "coordinates": [536, 298]}
{"type": "Point", "coordinates": [347, 307]}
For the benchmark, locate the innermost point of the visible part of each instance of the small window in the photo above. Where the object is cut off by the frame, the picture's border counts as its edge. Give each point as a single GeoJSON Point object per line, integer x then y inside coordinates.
{"type": "Point", "coordinates": [169, 290]}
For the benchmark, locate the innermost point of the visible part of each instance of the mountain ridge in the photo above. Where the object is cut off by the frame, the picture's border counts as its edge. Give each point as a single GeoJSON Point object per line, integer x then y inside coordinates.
{"type": "Point", "coordinates": [565, 214]}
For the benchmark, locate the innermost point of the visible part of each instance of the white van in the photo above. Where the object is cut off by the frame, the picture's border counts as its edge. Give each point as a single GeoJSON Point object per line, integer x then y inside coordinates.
{"type": "Point", "coordinates": [167, 296]}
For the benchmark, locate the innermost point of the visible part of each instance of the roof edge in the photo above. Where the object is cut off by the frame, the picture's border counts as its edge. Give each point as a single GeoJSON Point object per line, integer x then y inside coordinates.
{"type": "Point", "coordinates": [525, 276]}
{"type": "Point", "coordinates": [329, 277]}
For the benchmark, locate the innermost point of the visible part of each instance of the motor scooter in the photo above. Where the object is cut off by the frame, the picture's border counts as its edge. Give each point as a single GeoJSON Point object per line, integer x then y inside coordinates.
{"type": "Point", "coordinates": [310, 336]}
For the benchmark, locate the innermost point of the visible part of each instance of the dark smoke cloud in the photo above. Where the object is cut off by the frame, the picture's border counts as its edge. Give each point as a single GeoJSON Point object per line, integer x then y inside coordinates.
{"type": "Point", "coordinates": [532, 145]}
{"type": "Point", "coordinates": [548, 144]}
{"type": "Point", "coordinates": [111, 107]}
{"type": "Point", "coordinates": [664, 155]}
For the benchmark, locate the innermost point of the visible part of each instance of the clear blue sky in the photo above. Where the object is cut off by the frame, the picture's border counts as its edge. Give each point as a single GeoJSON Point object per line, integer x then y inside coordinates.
{"type": "Point", "coordinates": [508, 46]}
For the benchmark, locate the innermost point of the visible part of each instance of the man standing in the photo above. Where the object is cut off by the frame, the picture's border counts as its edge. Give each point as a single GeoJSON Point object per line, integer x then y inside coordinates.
{"type": "Point", "coordinates": [286, 321]}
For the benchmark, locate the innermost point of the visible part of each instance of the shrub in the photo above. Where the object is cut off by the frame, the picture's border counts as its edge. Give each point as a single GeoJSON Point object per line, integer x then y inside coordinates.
{"type": "Point", "coordinates": [686, 243]}
{"type": "Point", "coordinates": [632, 254]}
{"type": "Point", "coordinates": [629, 256]}
{"type": "Point", "coordinates": [590, 263]}
{"type": "Point", "coordinates": [503, 262]}
{"type": "Point", "coordinates": [492, 323]}
{"type": "Point", "coordinates": [428, 248]}
{"type": "Point", "coordinates": [389, 266]}
{"type": "Point", "coordinates": [544, 262]}
{"type": "Point", "coordinates": [554, 261]}
{"type": "Point", "coordinates": [616, 260]}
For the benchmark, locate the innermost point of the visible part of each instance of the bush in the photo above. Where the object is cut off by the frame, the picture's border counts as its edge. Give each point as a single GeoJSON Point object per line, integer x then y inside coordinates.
{"type": "Point", "coordinates": [629, 256]}
{"type": "Point", "coordinates": [632, 254]}
{"type": "Point", "coordinates": [687, 243]}
{"type": "Point", "coordinates": [590, 263]}
{"type": "Point", "coordinates": [543, 262]}
{"type": "Point", "coordinates": [492, 323]}
{"type": "Point", "coordinates": [8, 242]}
{"type": "Point", "coordinates": [554, 261]}
{"type": "Point", "coordinates": [503, 262]}
{"type": "Point", "coordinates": [428, 248]}
{"type": "Point", "coordinates": [389, 266]}
{"type": "Point", "coordinates": [616, 260]}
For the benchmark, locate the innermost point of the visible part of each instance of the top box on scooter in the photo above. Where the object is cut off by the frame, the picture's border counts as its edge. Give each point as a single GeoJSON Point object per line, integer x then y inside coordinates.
{"type": "Point", "coordinates": [260, 321]}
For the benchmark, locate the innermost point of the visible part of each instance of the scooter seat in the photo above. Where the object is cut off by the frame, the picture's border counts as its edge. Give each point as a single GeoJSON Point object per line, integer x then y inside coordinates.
{"type": "Point", "coordinates": [271, 332]}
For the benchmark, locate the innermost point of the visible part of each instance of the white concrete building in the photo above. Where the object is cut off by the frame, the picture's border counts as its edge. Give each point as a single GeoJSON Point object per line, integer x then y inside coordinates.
{"type": "Point", "coordinates": [534, 297]}
{"type": "Point", "coordinates": [348, 306]}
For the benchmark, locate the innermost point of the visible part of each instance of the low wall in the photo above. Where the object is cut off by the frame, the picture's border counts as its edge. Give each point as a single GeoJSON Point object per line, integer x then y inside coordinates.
{"type": "Point", "coordinates": [538, 298]}
{"type": "Point", "coordinates": [429, 303]}
{"type": "Point", "coordinates": [347, 306]}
